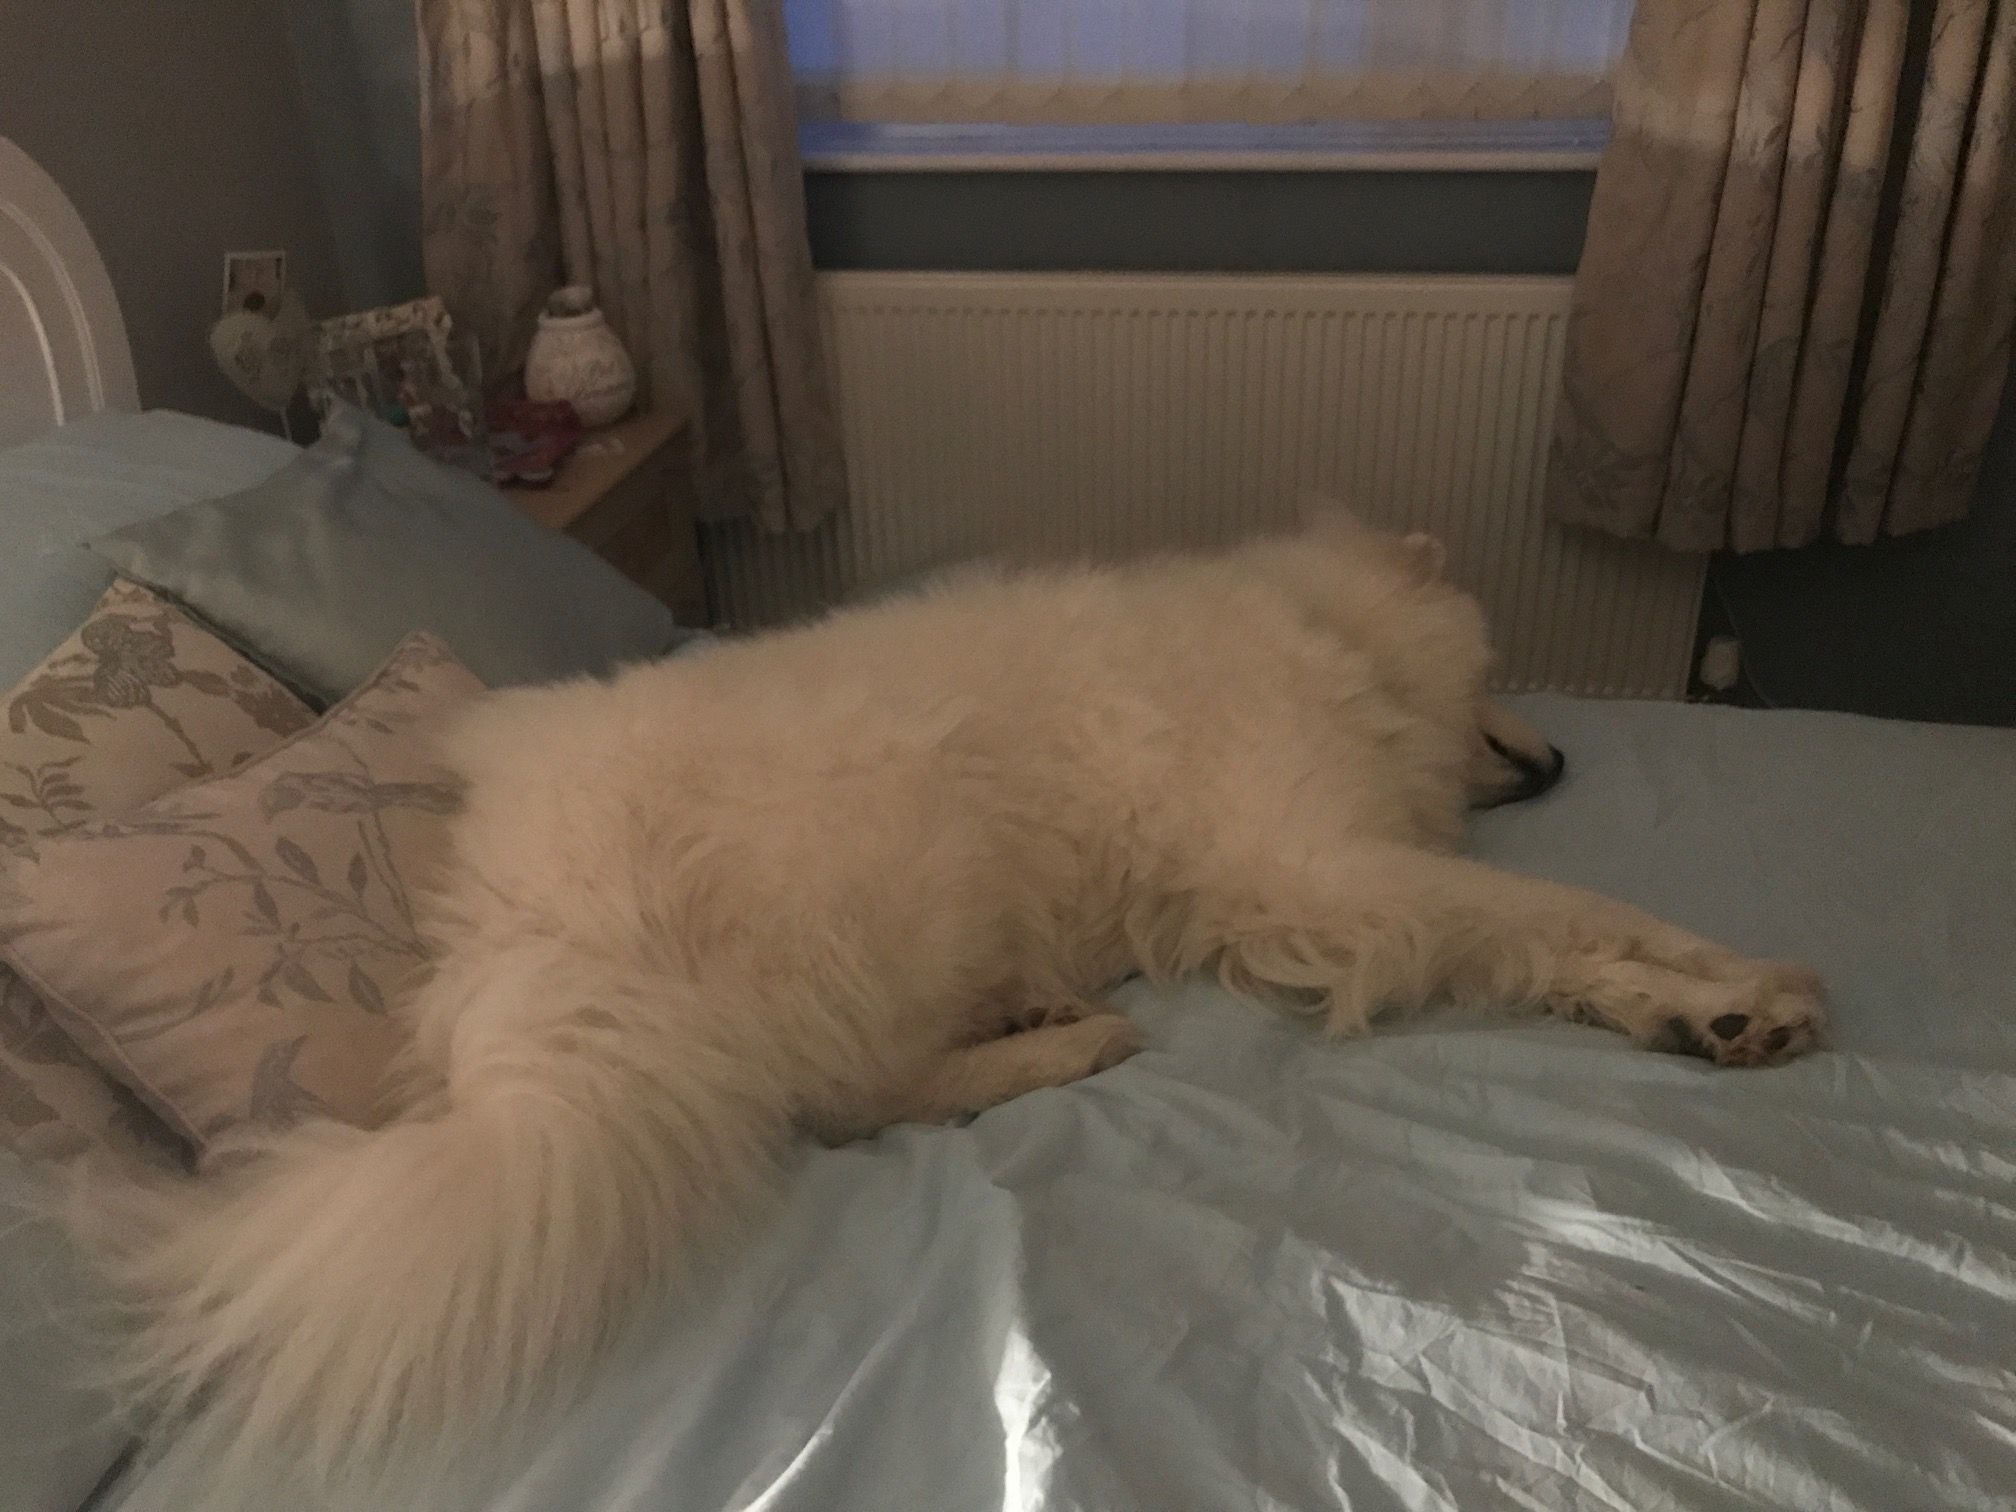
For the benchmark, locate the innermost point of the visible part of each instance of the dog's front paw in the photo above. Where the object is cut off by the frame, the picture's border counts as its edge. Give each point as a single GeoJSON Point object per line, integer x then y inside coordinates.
{"type": "Point", "coordinates": [1106, 1039]}
{"type": "Point", "coordinates": [1050, 1013]}
{"type": "Point", "coordinates": [1778, 1014]}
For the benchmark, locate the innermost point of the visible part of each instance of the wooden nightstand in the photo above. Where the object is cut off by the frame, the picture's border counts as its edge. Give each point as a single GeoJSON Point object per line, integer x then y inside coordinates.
{"type": "Point", "coordinates": [624, 494]}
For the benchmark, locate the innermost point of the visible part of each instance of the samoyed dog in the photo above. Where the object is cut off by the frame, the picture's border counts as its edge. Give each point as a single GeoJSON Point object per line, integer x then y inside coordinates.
{"type": "Point", "coordinates": [872, 870]}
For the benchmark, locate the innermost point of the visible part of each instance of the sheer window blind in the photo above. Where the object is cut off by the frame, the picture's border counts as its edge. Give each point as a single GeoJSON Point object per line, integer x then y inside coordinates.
{"type": "Point", "coordinates": [1250, 62]}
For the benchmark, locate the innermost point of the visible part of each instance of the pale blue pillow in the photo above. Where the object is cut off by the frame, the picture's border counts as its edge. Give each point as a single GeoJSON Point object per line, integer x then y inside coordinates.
{"type": "Point", "coordinates": [64, 488]}
{"type": "Point", "coordinates": [320, 570]}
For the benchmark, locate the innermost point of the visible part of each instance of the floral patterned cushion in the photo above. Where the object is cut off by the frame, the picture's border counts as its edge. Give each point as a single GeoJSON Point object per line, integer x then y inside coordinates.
{"type": "Point", "coordinates": [229, 951]}
{"type": "Point", "coordinates": [139, 700]}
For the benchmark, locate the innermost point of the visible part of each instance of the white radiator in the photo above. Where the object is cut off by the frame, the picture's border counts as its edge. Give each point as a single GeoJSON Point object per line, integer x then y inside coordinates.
{"type": "Point", "coordinates": [1099, 414]}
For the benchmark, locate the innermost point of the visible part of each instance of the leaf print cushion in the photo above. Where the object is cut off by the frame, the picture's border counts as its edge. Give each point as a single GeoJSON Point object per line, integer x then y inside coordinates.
{"type": "Point", "coordinates": [230, 951]}
{"type": "Point", "coordinates": [141, 699]}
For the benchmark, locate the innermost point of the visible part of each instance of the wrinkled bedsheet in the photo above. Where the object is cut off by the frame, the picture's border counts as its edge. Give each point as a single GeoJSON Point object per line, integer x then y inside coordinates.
{"type": "Point", "coordinates": [1458, 1264]}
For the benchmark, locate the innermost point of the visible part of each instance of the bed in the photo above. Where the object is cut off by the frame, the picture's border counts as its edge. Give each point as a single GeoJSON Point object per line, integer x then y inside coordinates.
{"type": "Point", "coordinates": [1460, 1264]}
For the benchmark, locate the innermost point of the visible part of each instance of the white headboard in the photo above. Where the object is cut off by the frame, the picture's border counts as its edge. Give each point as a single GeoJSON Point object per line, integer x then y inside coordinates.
{"type": "Point", "coordinates": [63, 351]}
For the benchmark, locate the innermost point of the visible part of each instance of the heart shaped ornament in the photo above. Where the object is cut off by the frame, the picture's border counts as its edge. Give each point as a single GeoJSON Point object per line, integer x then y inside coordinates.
{"type": "Point", "coordinates": [264, 355]}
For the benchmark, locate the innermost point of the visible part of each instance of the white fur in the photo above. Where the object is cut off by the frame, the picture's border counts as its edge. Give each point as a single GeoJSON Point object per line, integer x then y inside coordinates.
{"type": "Point", "coordinates": [806, 882]}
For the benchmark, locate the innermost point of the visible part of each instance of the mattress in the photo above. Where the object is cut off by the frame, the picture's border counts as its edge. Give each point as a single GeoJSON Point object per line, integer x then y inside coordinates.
{"type": "Point", "coordinates": [85, 479]}
{"type": "Point", "coordinates": [1462, 1263]}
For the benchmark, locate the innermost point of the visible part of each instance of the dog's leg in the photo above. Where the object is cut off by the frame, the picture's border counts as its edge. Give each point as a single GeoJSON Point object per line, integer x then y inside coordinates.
{"type": "Point", "coordinates": [976, 1077]}
{"type": "Point", "coordinates": [1025, 1011]}
{"type": "Point", "coordinates": [1393, 927]}
{"type": "Point", "coordinates": [972, 1078]}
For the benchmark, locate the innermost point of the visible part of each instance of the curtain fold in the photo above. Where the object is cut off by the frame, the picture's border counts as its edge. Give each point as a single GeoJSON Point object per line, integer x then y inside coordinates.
{"type": "Point", "coordinates": [647, 148]}
{"type": "Point", "coordinates": [489, 231]}
{"type": "Point", "coordinates": [1794, 310]}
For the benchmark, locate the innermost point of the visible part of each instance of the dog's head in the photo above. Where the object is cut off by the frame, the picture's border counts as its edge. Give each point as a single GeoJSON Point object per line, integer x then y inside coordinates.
{"type": "Point", "coordinates": [1509, 759]}
{"type": "Point", "coordinates": [1436, 653]}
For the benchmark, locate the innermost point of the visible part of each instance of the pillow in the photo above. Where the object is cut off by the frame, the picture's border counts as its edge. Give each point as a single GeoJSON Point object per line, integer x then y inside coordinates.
{"type": "Point", "coordinates": [138, 700]}
{"type": "Point", "coordinates": [59, 1433]}
{"type": "Point", "coordinates": [319, 570]}
{"type": "Point", "coordinates": [74, 483]}
{"type": "Point", "coordinates": [229, 951]}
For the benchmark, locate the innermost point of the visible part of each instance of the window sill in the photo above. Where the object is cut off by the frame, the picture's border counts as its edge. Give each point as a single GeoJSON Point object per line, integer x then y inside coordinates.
{"type": "Point", "coordinates": [1330, 147]}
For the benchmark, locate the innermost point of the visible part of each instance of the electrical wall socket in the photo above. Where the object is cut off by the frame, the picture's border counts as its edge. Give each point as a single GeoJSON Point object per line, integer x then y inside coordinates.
{"type": "Point", "coordinates": [1721, 663]}
{"type": "Point", "coordinates": [254, 281]}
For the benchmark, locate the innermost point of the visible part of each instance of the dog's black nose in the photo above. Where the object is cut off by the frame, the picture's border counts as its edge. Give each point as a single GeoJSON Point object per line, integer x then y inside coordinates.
{"type": "Point", "coordinates": [1536, 773]}
{"type": "Point", "coordinates": [1538, 776]}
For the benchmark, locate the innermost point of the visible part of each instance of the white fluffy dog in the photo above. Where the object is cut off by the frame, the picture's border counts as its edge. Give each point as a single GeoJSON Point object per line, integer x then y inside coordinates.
{"type": "Point", "coordinates": [874, 870]}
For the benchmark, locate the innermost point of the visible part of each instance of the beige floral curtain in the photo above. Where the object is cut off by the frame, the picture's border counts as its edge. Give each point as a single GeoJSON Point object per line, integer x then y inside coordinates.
{"type": "Point", "coordinates": [647, 148]}
{"type": "Point", "coordinates": [1794, 310]}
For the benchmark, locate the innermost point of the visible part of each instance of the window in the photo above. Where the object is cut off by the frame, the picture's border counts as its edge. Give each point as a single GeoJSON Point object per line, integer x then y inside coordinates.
{"type": "Point", "coordinates": [1004, 76]}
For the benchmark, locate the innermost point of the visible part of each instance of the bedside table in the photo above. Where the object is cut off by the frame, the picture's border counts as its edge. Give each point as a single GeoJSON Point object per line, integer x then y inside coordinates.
{"type": "Point", "coordinates": [623, 493]}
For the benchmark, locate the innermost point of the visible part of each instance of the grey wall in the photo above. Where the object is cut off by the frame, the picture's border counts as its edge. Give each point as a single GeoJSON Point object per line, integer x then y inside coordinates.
{"type": "Point", "coordinates": [178, 132]}
{"type": "Point", "coordinates": [1201, 222]}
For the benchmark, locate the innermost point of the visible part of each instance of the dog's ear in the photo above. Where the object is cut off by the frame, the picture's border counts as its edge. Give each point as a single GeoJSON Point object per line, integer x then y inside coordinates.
{"type": "Point", "coordinates": [1423, 555]}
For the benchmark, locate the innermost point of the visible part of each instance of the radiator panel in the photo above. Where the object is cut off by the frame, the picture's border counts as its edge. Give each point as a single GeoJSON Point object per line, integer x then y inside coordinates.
{"type": "Point", "coordinates": [1105, 414]}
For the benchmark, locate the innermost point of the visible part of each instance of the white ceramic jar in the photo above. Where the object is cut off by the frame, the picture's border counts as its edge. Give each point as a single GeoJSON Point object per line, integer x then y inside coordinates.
{"type": "Point", "coordinates": [576, 357]}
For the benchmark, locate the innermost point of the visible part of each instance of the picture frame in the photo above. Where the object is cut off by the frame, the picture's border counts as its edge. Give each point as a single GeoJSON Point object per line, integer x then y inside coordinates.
{"type": "Point", "coordinates": [405, 364]}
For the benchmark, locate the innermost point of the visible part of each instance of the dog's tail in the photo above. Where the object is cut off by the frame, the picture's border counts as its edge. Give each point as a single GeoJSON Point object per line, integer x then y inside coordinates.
{"type": "Point", "coordinates": [356, 1305]}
